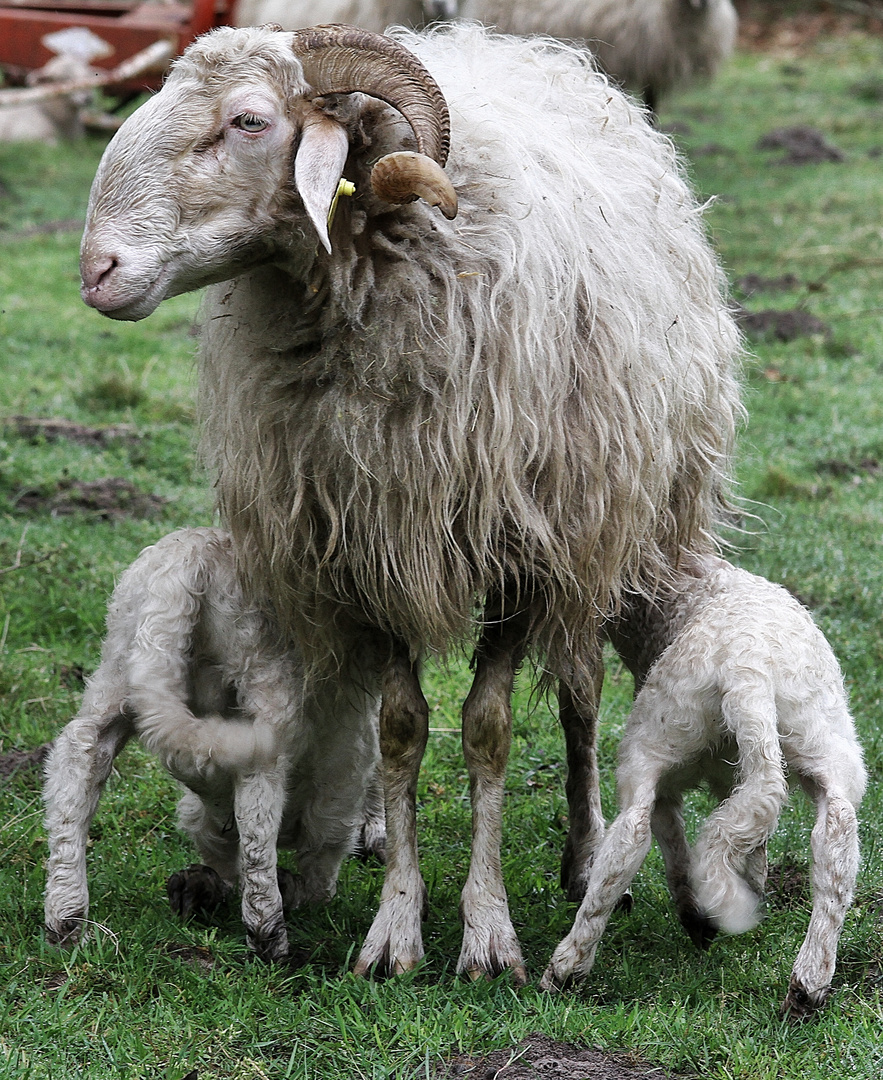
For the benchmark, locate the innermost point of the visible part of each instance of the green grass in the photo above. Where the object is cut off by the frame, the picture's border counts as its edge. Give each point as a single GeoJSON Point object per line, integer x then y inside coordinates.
{"type": "Point", "coordinates": [135, 1000]}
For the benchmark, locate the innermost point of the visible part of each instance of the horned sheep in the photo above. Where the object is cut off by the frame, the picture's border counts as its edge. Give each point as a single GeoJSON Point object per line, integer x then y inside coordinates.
{"type": "Point", "coordinates": [745, 688]}
{"type": "Point", "coordinates": [200, 677]}
{"type": "Point", "coordinates": [528, 405]}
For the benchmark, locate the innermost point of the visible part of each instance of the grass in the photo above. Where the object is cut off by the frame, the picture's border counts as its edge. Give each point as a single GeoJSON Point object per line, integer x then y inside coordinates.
{"type": "Point", "coordinates": [147, 997]}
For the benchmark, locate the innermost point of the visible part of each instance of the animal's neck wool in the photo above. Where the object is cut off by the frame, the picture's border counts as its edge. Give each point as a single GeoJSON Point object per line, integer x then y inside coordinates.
{"type": "Point", "coordinates": [541, 390]}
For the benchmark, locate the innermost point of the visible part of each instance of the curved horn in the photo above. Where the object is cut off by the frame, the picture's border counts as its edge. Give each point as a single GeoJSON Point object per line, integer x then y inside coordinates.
{"type": "Point", "coordinates": [340, 59]}
{"type": "Point", "coordinates": [404, 176]}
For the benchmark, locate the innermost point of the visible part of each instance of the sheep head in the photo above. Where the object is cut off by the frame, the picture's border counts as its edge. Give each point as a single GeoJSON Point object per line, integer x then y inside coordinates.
{"type": "Point", "coordinates": [192, 187]}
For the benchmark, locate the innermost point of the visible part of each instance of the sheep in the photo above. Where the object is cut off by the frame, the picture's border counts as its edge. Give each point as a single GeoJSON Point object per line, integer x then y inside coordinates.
{"type": "Point", "coordinates": [200, 677]}
{"type": "Point", "coordinates": [648, 46]}
{"type": "Point", "coordinates": [745, 687]}
{"type": "Point", "coordinates": [374, 15]}
{"type": "Point", "coordinates": [433, 427]}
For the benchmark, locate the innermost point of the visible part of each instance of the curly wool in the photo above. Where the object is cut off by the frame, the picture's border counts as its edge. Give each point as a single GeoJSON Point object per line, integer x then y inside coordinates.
{"type": "Point", "coordinates": [540, 391]}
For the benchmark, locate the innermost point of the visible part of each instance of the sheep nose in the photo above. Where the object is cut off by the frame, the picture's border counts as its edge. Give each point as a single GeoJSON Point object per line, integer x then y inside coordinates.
{"type": "Point", "coordinates": [95, 274]}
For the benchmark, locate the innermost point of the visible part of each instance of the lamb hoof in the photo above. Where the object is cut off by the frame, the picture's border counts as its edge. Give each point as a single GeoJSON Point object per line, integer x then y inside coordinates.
{"type": "Point", "coordinates": [625, 903]}
{"type": "Point", "coordinates": [552, 982]}
{"type": "Point", "coordinates": [66, 933]}
{"type": "Point", "coordinates": [371, 845]}
{"type": "Point", "coordinates": [196, 890]}
{"type": "Point", "coordinates": [800, 1004]}
{"type": "Point", "coordinates": [269, 943]}
{"type": "Point", "coordinates": [700, 929]}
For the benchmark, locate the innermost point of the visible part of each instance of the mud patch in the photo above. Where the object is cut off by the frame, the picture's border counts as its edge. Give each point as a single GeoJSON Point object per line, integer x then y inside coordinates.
{"type": "Point", "coordinates": [749, 284]}
{"type": "Point", "coordinates": [109, 499]}
{"type": "Point", "coordinates": [868, 466]}
{"type": "Point", "coordinates": [781, 325]}
{"type": "Point", "coordinates": [787, 885]}
{"type": "Point", "coordinates": [195, 956]}
{"type": "Point", "coordinates": [803, 145]}
{"type": "Point", "coordinates": [540, 1058]}
{"type": "Point", "coordinates": [54, 429]}
{"type": "Point", "coordinates": [15, 760]}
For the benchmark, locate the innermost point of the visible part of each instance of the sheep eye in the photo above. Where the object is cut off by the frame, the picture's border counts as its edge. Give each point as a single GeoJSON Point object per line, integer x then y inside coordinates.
{"type": "Point", "coordinates": [250, 122]}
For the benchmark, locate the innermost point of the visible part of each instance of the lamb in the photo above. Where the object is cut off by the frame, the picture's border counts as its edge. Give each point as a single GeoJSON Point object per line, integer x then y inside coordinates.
{"type": "Point", "coordinates": [746, 687]}
{"type": "Point", "coordinates": [648, 46]}
{"type": "Point", "coordinates": [521, 407]}
{"type": "Point", "coordinates": [200, 676]}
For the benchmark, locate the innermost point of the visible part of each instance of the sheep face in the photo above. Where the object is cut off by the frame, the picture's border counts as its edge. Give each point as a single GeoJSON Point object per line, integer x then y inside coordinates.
{"type": "Point", "coordinates": [191, 187]}
{"type": "Point", "coordinates": [194, 187]}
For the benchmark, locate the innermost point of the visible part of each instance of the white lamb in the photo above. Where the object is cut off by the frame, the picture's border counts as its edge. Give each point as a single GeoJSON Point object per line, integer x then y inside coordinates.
{"type": "Point", "coordinates": [203, 680]}
{"type": "Point", "coordinates": [745, 689]}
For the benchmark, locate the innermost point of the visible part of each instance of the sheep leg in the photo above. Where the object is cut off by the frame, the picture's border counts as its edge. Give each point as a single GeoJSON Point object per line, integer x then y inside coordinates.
{"type": "Point", "coordinates": [586, 819]}
{"type": "Point", "coordinates": [76, 772]}
{"type": "Point", "coordinates": [835, 852]}
{"type": "Point", "coordinates": [667, 824]}
{"type": "Point", "coordinates": [618, 859]}
{"type": "Point", "coordinates": [490, 945]}
{"type": "Point", "coordinates": [395, 942]}
{"type": "Point", "coordinates": [258, 803]}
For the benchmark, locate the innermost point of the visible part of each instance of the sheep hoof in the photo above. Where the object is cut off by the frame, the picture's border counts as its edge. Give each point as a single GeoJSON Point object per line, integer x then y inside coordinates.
{"type": "Point", "coordinates": [196, 890]}
{"type": "Point", "coordinates": [800, 1004]}
{"type": "Point", "coordinates": [66, 932]}
{"type": "Point", "coordinates": [700, 929]}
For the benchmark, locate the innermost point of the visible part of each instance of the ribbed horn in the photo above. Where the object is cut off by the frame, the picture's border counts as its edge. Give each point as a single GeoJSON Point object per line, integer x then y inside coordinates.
{"type": "Point", "coordinates": [339, 59]}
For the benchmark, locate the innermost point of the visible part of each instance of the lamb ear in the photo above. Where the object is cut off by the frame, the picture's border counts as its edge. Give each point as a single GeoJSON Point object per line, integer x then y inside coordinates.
{"type": "Point", "coordinates": [318, 165]}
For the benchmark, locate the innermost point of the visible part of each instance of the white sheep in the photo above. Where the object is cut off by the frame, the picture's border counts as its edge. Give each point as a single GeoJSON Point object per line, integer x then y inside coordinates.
{"type": "Point", "coordinates": [200, 677]}
{"type": "Point", "coordinates": [746, 689]}
{"type": "Point", "coordinates": [528, 406]}
{"type": "Point", "coordinates": [648, 46]}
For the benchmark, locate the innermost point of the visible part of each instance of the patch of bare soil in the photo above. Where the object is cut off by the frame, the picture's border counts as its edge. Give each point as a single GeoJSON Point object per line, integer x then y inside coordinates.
{"type": "Point", "coordinates": [14, 760]}
{"type": "Point", "coordinates": [764, 28]}
{"type": "Point", "coordinates": [803, 145]}
{"type": "Point", "coordinates": [111, 498]}
{"type": "Point", "coordinates": [540, 1058]}
{"type": "Point", "coordinates": [196, 956]}
{"type": "Point", "coordinates": [775, 325]}
{"type": "Point", "coordinates": [787, 884]}
{"type": "Point", "coordinates": [870, 466]}
{"type": "Point", "coordinates": [55, 428]}
{"type": "Point", "coordinates": [749, 284]}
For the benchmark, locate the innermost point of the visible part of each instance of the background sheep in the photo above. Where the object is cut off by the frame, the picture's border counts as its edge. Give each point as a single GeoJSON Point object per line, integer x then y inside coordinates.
{"type": "Point", "coordinates": [530, 406]}
{"type": "Point", "coordinates": [648, 46]}
{"type": "Point", "coordinates": [746, 686]}
{"type": "Point", "coordinates": [199, 676]}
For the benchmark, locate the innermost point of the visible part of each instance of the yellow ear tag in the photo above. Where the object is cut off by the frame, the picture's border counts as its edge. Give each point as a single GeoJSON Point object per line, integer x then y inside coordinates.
{"type": "Point", "coordinates": [344, 187]}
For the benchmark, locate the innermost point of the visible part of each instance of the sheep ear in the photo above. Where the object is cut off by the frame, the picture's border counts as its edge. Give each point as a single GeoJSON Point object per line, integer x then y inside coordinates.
{"type": "Point", "coordinates": [318, 165]}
